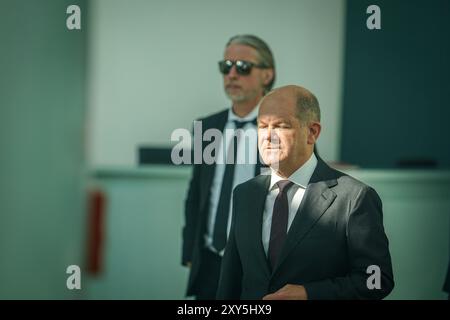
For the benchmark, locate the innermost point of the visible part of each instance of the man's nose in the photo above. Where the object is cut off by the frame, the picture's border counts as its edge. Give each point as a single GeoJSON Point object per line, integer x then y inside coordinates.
{"type": "Point", "coordinates": [266, 134]}
{"type": "Point", "coordinates": [272, 136]}
{"type": "Point", "coordinates": [233, 73]}
{"type": "Point", "coordinates": [269, 134]}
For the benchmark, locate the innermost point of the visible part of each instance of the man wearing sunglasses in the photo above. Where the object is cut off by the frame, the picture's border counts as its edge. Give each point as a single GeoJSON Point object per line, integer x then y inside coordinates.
{"type": "Point", "coordinates": [248, 71]}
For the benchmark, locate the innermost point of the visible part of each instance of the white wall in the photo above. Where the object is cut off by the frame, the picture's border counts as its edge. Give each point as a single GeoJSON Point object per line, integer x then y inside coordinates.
{"type": "Point", "coordinates": [153, 65]}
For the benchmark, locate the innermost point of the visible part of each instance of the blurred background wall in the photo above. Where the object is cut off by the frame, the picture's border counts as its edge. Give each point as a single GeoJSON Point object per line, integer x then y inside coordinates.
{"type": "Point", "coordinates": [42, 114]}
{"type": "Point", "coordinates": [153, 65]}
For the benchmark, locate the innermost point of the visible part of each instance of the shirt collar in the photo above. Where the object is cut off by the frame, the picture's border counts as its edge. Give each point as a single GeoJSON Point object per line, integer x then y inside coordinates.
{"type": "Point", "coordinates": [300, 177]}
{"type": "Point", "coordinates": [251, 116]}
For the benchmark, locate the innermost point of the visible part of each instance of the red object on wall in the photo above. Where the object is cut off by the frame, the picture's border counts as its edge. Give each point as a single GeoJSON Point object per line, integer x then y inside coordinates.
{"type": "Point", "coordinates": [96, 220]}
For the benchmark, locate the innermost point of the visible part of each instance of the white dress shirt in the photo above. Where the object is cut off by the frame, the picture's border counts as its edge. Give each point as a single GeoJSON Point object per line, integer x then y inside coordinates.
{"type": "Point", "coordinates": [295, 194]}
{"type": "Point", "coordinates": [243, 171]}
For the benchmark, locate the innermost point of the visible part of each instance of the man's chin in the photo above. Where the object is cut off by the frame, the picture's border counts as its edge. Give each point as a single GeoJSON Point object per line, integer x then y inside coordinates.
{"type": "Point", "coordinates": [236, 97]}
{"type": "Point", "coordinates": [272, 160]}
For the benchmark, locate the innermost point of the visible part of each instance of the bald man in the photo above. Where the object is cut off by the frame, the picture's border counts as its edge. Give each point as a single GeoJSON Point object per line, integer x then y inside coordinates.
{"type": "Point", "coordinates": [304, 231]}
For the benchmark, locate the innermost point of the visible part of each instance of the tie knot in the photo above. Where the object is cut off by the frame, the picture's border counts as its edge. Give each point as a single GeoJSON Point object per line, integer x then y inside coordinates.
{"type": "Point", "coordinates": [284, 185]}
{"type": "Point", "coordinates": [241, 124]}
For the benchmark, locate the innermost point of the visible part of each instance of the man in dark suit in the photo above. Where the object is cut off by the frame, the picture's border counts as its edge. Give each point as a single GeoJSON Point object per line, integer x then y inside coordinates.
{"type": "Point", "coordinates": [248, 71]}
{"type": "Point", "coordinates": [304, 231]}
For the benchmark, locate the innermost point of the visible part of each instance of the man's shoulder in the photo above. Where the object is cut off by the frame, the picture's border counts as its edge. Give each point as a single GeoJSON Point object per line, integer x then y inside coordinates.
{"type": "Point", "coordinates": [348, 180]}
{"type": "Point", "coordinates": [214, 117]}
{"type": "Point", "coordinates": [252, 183]}
{"type": "Point", "coordinates": [248, 192]}
{"type": "Point", "coordinates": [351, 185]}
{"type": "Point", "coordinates": [345, 181]}
{"type": "Point", "coordinates": [216, 120]}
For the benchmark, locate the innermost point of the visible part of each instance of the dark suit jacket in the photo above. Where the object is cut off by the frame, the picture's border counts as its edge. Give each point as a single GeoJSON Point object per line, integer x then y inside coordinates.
{"type": "Point", "coordinates": [336, 234]}
{"type": "Point", "coordinates": [197, 203]}
{"type": "Point", "coordinates": [446, 287]}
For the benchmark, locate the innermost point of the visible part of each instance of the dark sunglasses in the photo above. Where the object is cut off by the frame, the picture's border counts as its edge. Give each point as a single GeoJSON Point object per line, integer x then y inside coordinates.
{"type": "Point", "coordinates": [243, 67]}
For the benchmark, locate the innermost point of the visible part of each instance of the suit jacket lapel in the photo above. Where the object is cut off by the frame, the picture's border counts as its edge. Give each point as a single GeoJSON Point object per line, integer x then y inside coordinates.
{"type": "Point", "coordinates": [209, 170]}
{"type": "Point", "coordinates": [256, 207]}
{"type": "Point", "coordinates": [258, 163]}
{"type": "Point", "coordinates": [317, 199]}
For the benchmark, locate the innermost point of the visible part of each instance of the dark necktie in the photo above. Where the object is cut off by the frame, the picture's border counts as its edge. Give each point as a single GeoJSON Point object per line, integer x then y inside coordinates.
{"type": "Point", "coordinates": [223, 208]}
{"type": "Point", "coordinates": [278, 230]}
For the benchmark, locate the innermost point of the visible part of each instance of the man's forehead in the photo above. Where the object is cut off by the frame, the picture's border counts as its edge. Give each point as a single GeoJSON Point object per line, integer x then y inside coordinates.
{"type": "Point", "coordinates": [275, 111]}
{"type": "Point", "coordinates": [278, 102]}
{"type": "Point", "coordinates": [240, 50]}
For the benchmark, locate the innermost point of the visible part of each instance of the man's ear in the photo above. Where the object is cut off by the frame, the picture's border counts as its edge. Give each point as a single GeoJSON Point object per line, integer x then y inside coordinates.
{"type": "Point", "coordinates": [314, 129]}
{"type": "Point", "coordinates": [267, 76]}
